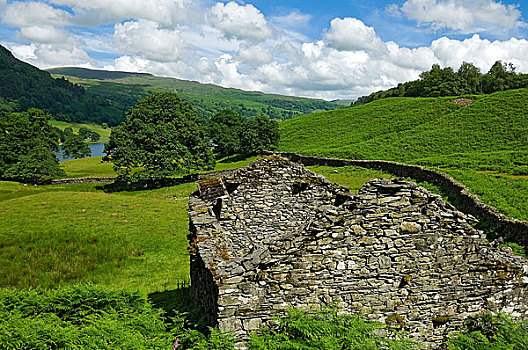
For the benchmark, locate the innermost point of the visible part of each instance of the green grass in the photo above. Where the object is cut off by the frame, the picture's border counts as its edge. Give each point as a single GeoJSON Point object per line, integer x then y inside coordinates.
{"type": "Point", "coordinates": [88, 167]}
{"type": "Point", "coordinates": [350, 176]}
{"type": "Point", "coordinates": [505, 192]}
{"type": "Point", "coordinates": [62, 234]}
{"type": "Point", "coordinates": [105, 133]}
{"type": "Point", "coordinates": [489, 135]}
{"type": "Point", "coordinates": [52, 235]}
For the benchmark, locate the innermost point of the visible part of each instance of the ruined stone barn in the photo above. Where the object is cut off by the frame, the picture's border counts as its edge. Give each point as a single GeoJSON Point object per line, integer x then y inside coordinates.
{"type": "Point", "coordinates": [274, 235]}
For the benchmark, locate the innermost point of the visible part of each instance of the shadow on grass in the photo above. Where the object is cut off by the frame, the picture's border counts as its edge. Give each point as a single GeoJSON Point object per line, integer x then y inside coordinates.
{"type": "Point", "coordinates": [179, 301]}
{"type": "Point", "coordinates": [234, 158]}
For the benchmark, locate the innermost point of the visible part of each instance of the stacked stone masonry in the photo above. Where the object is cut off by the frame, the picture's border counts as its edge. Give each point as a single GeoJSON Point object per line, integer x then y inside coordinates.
{"type": "Point", "coordinates": [278, 236]}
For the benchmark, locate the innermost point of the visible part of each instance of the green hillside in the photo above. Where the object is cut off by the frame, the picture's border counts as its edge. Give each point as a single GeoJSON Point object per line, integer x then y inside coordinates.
{"type": "Point", "coordinates": [126, 88]}
{"type": "Point", "coordinates": [486, 141]}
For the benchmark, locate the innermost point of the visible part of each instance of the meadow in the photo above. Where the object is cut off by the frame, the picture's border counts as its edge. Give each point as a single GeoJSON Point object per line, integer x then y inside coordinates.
{"type": "Point", "coordinates": [483, 145]}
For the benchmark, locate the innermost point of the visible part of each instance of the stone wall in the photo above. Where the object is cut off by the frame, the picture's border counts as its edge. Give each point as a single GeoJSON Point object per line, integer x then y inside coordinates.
{"type": "Point", "coordinates": [274, 235]}
{"type": "Point", "coordinates": [511, 229]}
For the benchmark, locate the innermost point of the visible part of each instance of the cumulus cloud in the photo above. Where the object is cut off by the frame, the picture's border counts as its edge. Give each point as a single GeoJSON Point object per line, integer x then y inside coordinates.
{"type": "Point", "coordinates": [49, 55]}
{"type": "Point", "coordinates": [465, 16]}
{"type": "Point", "coordinates": [235, 45]}
{"type": "Point", "coordinates": [481, 52]}
{"type": "Point", "coordinates": [166, 12]}
{"type": "Point", "coordinates": [43, 34]}
{"type": "Point", "coordinates": [148, 39]}
{"type": "Point", "coordinates": [351, 34]}
{"type": "Point", "coordinates": [21, 14]}
{"type": "Point", "coordinates": [241, 22]}
{"type": "Point", "coordinates": [255, 55]}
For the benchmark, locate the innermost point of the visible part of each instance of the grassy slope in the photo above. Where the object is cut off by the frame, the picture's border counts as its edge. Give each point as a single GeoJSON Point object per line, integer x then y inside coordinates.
{"type": "Point", "coordinates": [88, 167]}
{"type": "Point", "coordinates": [490, 134]}
{"type": "Point", "coordinates": [105, 133]}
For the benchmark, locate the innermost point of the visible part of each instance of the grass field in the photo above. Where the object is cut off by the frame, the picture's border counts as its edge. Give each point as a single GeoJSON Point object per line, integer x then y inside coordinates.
{"type": "Point", "coordinates": [484, 145]}
{"type": "Point", "coordinates": [105, 133]}
{"type": "Point", "coordinates": [88, 167]}
{"type": "Point", "coordinates": [62, 234]}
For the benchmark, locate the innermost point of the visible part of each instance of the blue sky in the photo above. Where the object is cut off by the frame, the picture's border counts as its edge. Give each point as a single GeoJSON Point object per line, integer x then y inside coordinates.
{"type": "Point", "coordinates": [328, 49]}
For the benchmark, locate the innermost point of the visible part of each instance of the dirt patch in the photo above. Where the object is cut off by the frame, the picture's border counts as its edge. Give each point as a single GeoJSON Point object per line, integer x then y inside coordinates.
{"type": "Point", "coordinates": [463, 102]}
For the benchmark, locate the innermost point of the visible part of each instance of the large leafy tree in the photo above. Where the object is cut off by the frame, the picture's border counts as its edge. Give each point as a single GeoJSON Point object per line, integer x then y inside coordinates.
{"type": "Point", "coordinates": [259, 134]}
{"type": "Point", "coordinates": [75, 147]}
{"type": "Point", "coordinates": [161, 136]}
{"type": "Point", "coordinates": [225, 129]}
{"type": "Point", "coordinates": [26, 145]}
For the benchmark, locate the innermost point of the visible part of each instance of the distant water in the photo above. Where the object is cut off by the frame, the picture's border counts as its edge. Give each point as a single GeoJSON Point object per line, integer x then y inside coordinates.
{"type": "Point", "coordinates": [97, 151]}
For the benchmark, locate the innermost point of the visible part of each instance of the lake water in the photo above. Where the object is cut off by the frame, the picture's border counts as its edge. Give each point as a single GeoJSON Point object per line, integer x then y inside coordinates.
{"type": "Point", "coordinates": [97, 151]}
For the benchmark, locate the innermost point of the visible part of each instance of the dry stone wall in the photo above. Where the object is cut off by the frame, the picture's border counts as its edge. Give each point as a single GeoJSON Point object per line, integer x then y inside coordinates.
{"type": "Point", "coordinates": [274, 235]}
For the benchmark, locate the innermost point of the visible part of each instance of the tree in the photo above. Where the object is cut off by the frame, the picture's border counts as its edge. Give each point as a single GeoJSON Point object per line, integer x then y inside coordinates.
{"type": "Point", "coordinates": [89, 134]}
{"type": "Point", "coordinates": [26, 145]}
{"type": "Point", "coordinates": [75, 147]}
{"type": "Point", "coordinates": [163, 136]}
{"type": "Point", "coordinates": [471, 75]}
{"type": "Point", "coordinates": [225, 130]}
{"type": "Point", "coordinates": [260, 133]}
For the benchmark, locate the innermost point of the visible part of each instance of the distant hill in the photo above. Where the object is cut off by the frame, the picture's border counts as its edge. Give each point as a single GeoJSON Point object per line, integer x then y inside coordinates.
{"type": "Point", "coordinates": [208, 99]}
{"type": "Point", "coordinates": [32, 87]}
{"type": "Point", "coordinates": [489, 134]}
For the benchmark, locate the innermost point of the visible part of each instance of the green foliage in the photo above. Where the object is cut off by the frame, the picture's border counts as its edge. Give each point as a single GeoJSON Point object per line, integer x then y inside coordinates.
{"type": "Point", "coordinates": [261, 133]}
{"type": "Point", "coordinates": [225, 129]}
{"type": "Point", "coordinates": [26, 144]}
{"type": "Point", "coordinates": [75, 147]}
{"type": "Point", "coordinates": [80, 317]}
{"type": "Point", "coordinates": [516, 249]}
{"type": "Point", "coordinates": [445, 82]}
{"type": "Point", "coordinates": [86, 134]}
{"type": "Point", "coordinates": [491, 332]}
{"type": "Point", "coordinates": [234, 134]}
{"type": "Point", "coordinates": [163, 136]}
{"type": "Point", "coordinates": [326, 329]}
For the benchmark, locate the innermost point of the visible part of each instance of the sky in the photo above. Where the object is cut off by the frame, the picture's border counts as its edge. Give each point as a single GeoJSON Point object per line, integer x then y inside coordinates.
{"type": "Point", "coordinates": [331, 49]}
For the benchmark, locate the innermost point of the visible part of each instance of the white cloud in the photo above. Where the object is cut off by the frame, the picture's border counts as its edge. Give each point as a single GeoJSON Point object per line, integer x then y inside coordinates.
{"type": "Point", "coordinates": [255, 55]}
{"type": "Point", "coordinates": [148, 39]}
{"type": "Point", "coordinates": [293, 20]}
{"type": "Point", "coordinates": [43, 34]}
{"type": "Point", "coordinates": [351, 34]}
{"type": "Point", "coordinates": [166, 12]}
{"type": "Point", "coordinates": [21, 14]}
{"type": "Point", "coordinates": [465, 16]}
{"type": "Point", "coordinates": [241, 22]}
{"type": "Point", "coordinates": [48, 55]}
{"type": "Point", "coordinates": [483, 53]}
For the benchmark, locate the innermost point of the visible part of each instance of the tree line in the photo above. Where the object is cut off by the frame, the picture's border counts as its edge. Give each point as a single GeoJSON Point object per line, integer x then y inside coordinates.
{"type": "Point", "coordinates": [161, 136]}
{"type": "Point", "coordinates": [467, 80]}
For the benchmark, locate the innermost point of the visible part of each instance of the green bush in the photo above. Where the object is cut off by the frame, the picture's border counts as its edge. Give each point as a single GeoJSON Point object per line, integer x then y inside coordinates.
{"type": "Point", "coordinates": [80, 317]}
{"type": "Point", "coordinates": [326, 329]}
{"type": "Point", "coordinates": [491, 332]}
